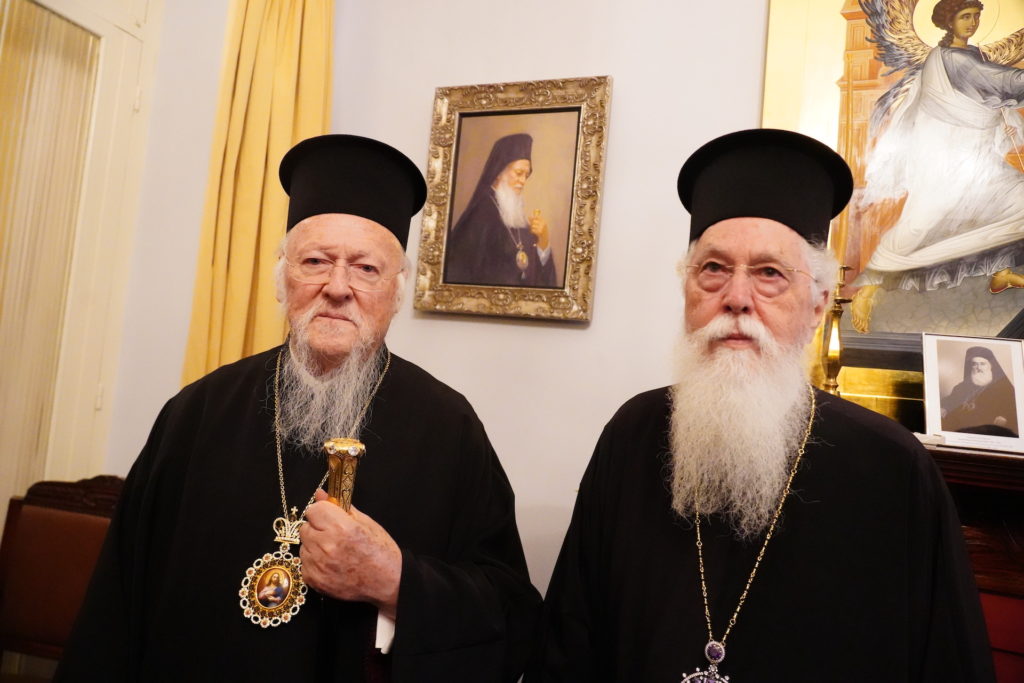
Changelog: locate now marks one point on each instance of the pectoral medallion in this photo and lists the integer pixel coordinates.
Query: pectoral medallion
(522, 260)
(715, 652)
(272, 589)
(710, 675)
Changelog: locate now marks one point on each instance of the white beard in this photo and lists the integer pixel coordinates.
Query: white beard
(510, 206)
(981, 378)
(738, 419)
(315, 408)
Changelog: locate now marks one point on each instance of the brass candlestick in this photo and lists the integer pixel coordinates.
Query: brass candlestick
(831, 341)
(342, 460)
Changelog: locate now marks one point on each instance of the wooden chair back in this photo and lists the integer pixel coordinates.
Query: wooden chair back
(51, 539)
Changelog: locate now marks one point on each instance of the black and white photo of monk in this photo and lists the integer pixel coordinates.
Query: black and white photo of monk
(984, 401)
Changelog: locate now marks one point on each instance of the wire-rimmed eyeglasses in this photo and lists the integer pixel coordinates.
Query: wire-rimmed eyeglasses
(317, 270)
(769, 279)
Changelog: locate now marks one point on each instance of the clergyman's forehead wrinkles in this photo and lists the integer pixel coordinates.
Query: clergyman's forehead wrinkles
(763, 253)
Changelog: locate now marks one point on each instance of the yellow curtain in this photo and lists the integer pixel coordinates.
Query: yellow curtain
(275, 91)
(47, 86)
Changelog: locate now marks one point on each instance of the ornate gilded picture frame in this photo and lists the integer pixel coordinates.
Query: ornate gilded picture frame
(514, 179)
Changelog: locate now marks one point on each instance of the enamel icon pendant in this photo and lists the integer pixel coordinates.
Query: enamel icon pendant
(272, 590)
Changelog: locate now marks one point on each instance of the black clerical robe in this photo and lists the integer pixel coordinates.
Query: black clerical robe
(481, 250)
(865, 579)
(969, 407)
(198, 508)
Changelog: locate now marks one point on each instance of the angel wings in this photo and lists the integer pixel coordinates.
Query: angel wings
(899, 47)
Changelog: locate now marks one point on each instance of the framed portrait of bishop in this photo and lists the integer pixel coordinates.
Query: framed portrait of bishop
(973, 391)
(514, 176)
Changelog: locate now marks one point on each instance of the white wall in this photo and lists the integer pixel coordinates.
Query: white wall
(159, 298)
(683, 73)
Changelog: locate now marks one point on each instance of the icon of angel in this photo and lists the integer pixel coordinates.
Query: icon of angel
(942, 137)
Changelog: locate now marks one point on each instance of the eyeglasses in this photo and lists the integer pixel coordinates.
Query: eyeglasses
(318, 270)
(769, 279)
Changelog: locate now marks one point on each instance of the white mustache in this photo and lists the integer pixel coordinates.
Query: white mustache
(308, 316)
(726, 324)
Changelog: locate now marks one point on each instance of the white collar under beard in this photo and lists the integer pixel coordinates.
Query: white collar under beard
(316, 408)
(737, 422)
(510, 206)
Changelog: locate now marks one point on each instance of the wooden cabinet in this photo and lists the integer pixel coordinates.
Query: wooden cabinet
(989, 492)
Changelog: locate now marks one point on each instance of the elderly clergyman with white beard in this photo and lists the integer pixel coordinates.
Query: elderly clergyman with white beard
(740, 523)
(227, 562)
(985, 401)
(494, 242)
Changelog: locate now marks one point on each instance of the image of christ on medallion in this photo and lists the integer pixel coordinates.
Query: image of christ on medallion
(511, 199)
(272, 588)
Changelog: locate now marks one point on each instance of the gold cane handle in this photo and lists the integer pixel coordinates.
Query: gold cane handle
(342, 460)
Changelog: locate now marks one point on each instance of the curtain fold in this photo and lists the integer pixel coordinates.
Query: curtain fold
(47, 84)
(275, 91)
(48, 68)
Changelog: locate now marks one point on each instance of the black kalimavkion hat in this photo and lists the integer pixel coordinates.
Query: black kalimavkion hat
(353, 175)
(765, 173)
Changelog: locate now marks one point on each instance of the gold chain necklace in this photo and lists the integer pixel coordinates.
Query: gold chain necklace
(715, 649)
(272, 589)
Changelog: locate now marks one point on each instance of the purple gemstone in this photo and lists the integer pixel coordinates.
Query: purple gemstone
(714, 651)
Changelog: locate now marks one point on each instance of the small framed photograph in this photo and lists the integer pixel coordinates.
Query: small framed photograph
(972, 389)
(514, 176)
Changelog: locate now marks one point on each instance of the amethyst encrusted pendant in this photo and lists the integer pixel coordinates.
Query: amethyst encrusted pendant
(715, 652)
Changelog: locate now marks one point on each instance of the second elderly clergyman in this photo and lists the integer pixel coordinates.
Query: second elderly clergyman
(200, 578)
(739, 523)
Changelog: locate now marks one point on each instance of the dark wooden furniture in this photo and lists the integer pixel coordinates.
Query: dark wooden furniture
(50, 543)
(988, 489)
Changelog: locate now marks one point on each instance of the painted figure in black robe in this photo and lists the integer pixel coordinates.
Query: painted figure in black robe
(433, 513)
(864, 575)
(984, 401)
(485, 248)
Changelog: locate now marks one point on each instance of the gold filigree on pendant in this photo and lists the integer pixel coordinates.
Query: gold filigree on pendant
(272, 590)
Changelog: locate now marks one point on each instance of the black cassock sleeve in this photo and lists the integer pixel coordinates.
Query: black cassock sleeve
(948, 633)
(106, 641)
